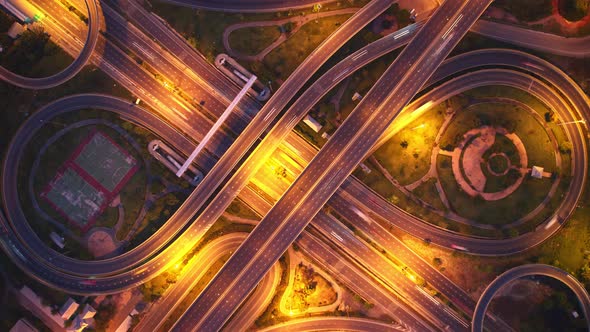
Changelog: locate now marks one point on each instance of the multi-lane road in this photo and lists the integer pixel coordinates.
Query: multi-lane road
(54, 80)
(440, 51)
(355, 188)
(214, 177)
(354, 138)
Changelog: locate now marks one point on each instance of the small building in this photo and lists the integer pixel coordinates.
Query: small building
(312, 123)
(27, 297)
(88, 312)
(16, 29)
(537, 172)
(23, 325)
(68, 309)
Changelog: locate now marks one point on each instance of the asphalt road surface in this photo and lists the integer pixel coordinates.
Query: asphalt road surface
(523, 271)
(73, 68)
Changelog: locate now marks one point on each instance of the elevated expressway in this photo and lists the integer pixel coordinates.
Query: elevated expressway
(484, 63)
(333, 324)
(524, 271)
(578, 47)
(321, 178)
(375, 49)
(70, 71)
(503, 58)
(247, 6)
(185, 213)
(129, 114)
(342, 237)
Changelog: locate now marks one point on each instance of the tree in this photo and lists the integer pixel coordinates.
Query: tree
(436, 261)
(549, 116)
(288, 27)
(403, 18)
(28, 49)
(565, 147)
(386, 24)
(585, 273)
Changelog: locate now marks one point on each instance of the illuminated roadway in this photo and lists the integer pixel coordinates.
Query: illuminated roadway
(70, 71)
(379, 235)
(352, 187)
(370, 53)
(443, 66)
(327, 171)
(578, 47)
(523, 271)
(333, 324)
(185, 213)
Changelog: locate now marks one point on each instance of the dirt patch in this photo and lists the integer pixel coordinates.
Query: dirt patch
(101, 243)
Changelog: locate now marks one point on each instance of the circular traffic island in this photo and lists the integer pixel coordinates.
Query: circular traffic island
(499, 165)
(533, 297)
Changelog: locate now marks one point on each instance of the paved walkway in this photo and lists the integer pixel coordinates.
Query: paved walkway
(467, 158)
(298, 21)
(432, 172)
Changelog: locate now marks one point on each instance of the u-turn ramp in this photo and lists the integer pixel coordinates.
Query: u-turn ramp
(70, 71)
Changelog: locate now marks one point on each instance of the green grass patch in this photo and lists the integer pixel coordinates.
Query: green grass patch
(527, 197)
(428, 193)
(196, 25)
(376, 181)
(538, 146)
(406, 156)
(283, 60)
(251, 41)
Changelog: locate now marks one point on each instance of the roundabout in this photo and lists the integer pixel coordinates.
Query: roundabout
(498, 163)
(477, 322)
